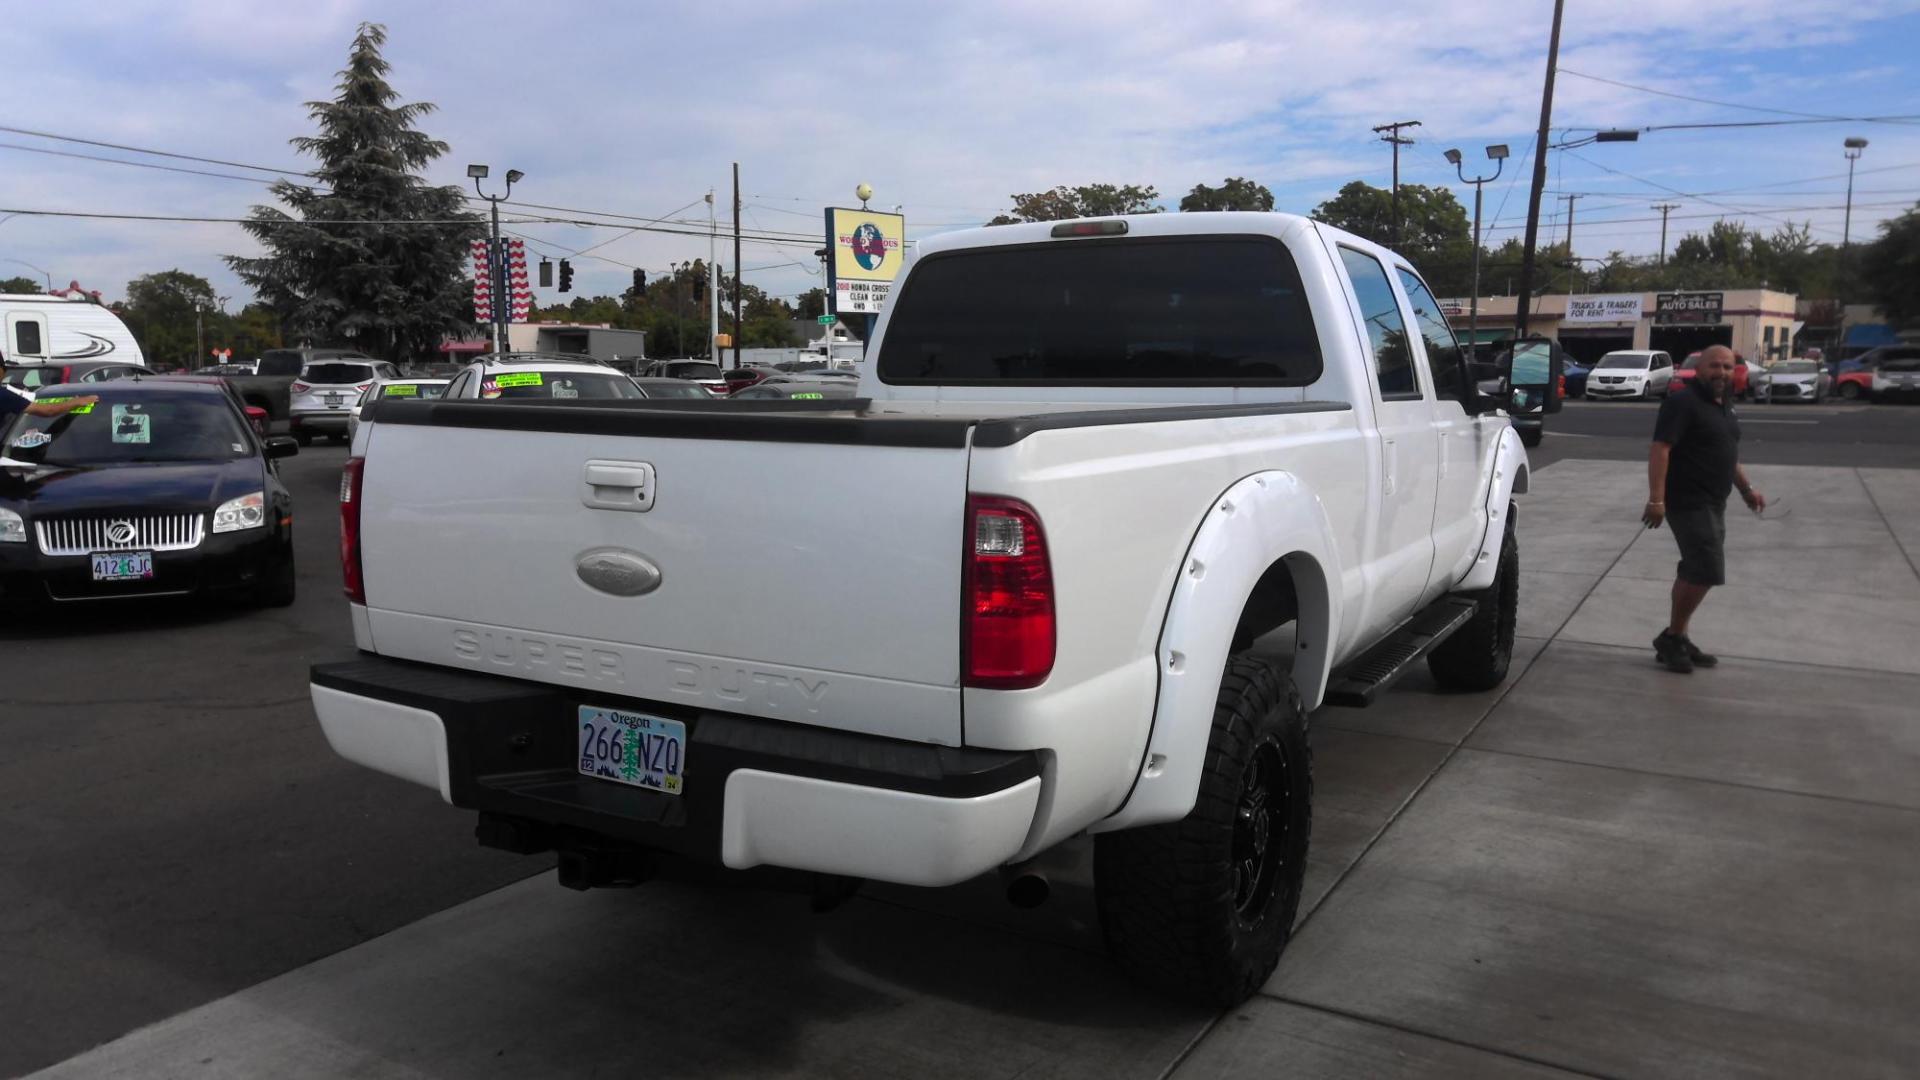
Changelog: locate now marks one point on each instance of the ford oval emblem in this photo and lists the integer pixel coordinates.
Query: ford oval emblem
(618, 572)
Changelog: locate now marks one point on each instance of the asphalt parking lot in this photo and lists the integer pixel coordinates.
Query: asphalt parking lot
(1597, 869)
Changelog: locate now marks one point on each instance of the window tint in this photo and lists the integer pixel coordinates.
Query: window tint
(26, 338)
(281, 362)
(1392, 354)
(1443, 350)
(128, 428)
(657, 389)
(567, 385)
(1191, 311)
(333, 372)
(690, 371)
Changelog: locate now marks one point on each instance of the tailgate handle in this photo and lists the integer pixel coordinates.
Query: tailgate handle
(619, 485)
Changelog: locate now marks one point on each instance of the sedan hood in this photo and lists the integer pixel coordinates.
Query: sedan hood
(198, 485)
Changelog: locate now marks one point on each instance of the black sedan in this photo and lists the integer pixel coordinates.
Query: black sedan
(160, 488)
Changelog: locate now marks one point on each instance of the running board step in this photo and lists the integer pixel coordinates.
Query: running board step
(1358, 682)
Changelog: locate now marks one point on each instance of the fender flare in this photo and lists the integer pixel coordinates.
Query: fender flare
(1261, 520)
(1511, 476)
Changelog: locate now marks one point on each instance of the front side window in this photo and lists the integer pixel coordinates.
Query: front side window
(1386, 330)
(1443, 349)
(1186, 311)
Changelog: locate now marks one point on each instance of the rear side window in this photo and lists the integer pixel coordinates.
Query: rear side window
(690, 371)
(333, 372)
(1136, 312)
(281, 362)
(1443, 350)
(1386, 330)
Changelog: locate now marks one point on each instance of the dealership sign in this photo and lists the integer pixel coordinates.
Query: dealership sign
(1688, 308)
(867, 250)
(1619, 307)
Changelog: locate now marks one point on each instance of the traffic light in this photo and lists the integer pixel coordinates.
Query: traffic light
(640, 283)
(546, 273)
(566, 276)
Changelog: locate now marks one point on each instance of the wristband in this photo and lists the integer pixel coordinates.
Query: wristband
(1651, 502)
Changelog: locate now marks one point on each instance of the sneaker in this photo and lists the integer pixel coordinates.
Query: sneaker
(1700, 659)
(1671, 652)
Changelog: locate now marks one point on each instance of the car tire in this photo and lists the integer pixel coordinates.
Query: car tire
(1479, 654)
(304, 438)
(1850, 391)
(1201, 908)
(1530, 436)
(279, 587)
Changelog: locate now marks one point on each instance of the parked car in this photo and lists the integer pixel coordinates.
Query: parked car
(270, 387)
(1794, 380)
(707, 374)
(160, 488)
(29, 376)
(1058, 588)
(740, 378)
(672, 389)
(1630, 373)
(1896, 379)
(40, 329)
(784, 389)
(1573, 376)
(512, 376)
(403, 389)
(1854, 379)
(1743, 374)
(322, 398)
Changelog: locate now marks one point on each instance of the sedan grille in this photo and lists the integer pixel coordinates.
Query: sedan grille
(143, 532)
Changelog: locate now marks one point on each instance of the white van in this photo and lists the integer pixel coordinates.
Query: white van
(53, 329)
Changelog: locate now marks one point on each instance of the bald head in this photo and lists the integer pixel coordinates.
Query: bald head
(1714, 369)
(1717, 352)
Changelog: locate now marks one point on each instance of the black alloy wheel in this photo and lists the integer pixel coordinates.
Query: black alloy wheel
(1259, 833)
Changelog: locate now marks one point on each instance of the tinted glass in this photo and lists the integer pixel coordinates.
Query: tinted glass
(26, 338)
(690, 371)
(668, 390)
(1386, 330)
(329, 373)
(1204, 310)
(33, 378)
(557, 385)
(128, 429)
(281, 362)
(1623, 360)
(1443, 349)
(406, 391)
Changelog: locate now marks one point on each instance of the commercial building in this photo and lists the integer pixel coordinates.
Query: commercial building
(599, 341)
(1757, 323)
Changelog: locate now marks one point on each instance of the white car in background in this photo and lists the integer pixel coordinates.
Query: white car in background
(520, 376)
(1631, 373)
(1793, 380)
(321, 399)
(394, 390)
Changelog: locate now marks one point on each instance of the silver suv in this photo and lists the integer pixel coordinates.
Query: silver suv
(321, 399)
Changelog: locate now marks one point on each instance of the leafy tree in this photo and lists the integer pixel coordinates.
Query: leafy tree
(1890, 267)
(1235, 193)
(1435, 233)
(812, 305)
(1088, 200)
(19, 285)
(159, 310)
(396, 285)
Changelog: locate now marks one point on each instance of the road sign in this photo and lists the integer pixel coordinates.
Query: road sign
(824, 320)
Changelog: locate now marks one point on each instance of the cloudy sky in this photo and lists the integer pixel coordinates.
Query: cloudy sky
(947, 108)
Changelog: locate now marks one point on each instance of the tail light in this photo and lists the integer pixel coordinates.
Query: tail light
(362, 388)
(299, 387)
(1009, 633)
(66, 373)
(1562, 388)
(350, 489)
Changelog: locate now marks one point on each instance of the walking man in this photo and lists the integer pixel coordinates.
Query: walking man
(1693, 465)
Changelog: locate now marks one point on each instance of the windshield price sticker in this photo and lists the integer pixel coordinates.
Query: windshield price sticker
(131, 426)
(400, 390)
(81, 411)
(519, 378)
(808, 397)
(32, 439)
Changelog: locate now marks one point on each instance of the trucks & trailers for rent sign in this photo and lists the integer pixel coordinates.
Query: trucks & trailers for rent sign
(1615, 308)
(868, 248)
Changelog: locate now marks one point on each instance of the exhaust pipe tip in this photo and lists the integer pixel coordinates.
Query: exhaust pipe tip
(1028, 890)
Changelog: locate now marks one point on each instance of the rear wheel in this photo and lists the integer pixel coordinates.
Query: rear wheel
(1201, 908)
(1850, 391)
(304, 438)
(1479, 654)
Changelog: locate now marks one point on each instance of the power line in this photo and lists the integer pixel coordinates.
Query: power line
(1729, 214)
(135, 164)
(1724, 104)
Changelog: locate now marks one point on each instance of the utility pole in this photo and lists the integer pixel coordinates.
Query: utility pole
(1539, 177)
(1393, 137)
(1571, 263)
(713, 285)
(736, 264)
(199, 338)
(1665, 208)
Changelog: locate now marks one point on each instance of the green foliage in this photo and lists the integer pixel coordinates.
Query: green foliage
(1088, 200)
(1235, 193)
(812, 305)
(160, 310)
(19, 285)
(1890, 267)
(674, 313)
(1435, 232)
(396, 285)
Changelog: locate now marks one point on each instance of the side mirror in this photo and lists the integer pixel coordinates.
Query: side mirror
(280, 446)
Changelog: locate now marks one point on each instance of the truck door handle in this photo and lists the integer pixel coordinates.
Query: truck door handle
(619, 485)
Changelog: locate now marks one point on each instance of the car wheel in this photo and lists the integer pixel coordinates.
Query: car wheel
(304, 438)
(1478, 654)
(278, 587)
(1850, 391)
(1201, 908)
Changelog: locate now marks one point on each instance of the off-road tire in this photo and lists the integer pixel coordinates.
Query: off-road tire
(1198, 908)
(1478, 654)
(279, 586)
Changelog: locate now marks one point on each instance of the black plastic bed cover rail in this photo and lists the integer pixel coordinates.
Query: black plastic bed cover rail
(841, 420)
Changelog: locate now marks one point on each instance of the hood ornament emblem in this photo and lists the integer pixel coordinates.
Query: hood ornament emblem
(121, 532)
(617, 572)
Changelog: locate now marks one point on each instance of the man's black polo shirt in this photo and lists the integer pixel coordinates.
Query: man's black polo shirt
(1705, 437)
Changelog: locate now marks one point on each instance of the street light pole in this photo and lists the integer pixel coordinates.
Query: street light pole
(1498, 154)
(496, 258)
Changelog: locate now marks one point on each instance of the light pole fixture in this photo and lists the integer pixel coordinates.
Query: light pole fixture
(1497, 153)
(496, 258)
(1852, 147)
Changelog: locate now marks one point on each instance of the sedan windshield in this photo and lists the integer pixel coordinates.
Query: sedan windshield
(132, 430)
(1624, 360)
(560, 385)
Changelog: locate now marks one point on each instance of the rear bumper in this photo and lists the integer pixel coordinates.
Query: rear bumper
(324, 420)
(757, 792)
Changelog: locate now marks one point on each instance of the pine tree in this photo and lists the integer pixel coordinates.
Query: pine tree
(393, 290)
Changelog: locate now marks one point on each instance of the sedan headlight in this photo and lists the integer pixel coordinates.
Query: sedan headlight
(13, 528)
(245, 512)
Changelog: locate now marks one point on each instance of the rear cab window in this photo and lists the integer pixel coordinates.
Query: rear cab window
(1145, 311)
(336, 372)
(557, 385)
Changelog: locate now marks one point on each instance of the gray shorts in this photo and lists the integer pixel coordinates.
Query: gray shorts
(1701, 532)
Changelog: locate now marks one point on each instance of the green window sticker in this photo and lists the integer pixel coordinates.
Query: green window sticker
(81, 411)
(400, 390)
(519, 378)
(806, 397)
(130, 425)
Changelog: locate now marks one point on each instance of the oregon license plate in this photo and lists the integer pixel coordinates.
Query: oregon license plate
(632, 748)
(122, 565)
(334, 401)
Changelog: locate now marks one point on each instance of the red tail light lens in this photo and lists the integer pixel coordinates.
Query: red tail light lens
(299, 387)
(350, 479)
(1009, 636)
(66, 373)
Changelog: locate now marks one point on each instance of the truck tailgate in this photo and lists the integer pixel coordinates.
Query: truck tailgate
(816, 581)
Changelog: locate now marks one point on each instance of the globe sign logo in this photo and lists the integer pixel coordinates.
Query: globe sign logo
(869, 246)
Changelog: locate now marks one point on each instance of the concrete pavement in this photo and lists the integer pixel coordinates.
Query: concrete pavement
(1601, 868)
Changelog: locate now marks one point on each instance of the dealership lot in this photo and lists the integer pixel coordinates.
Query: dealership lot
(1600, 868)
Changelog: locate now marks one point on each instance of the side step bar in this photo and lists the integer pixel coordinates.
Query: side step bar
(1360, 680)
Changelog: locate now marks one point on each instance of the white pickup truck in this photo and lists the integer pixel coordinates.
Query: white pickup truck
(1024, 587)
